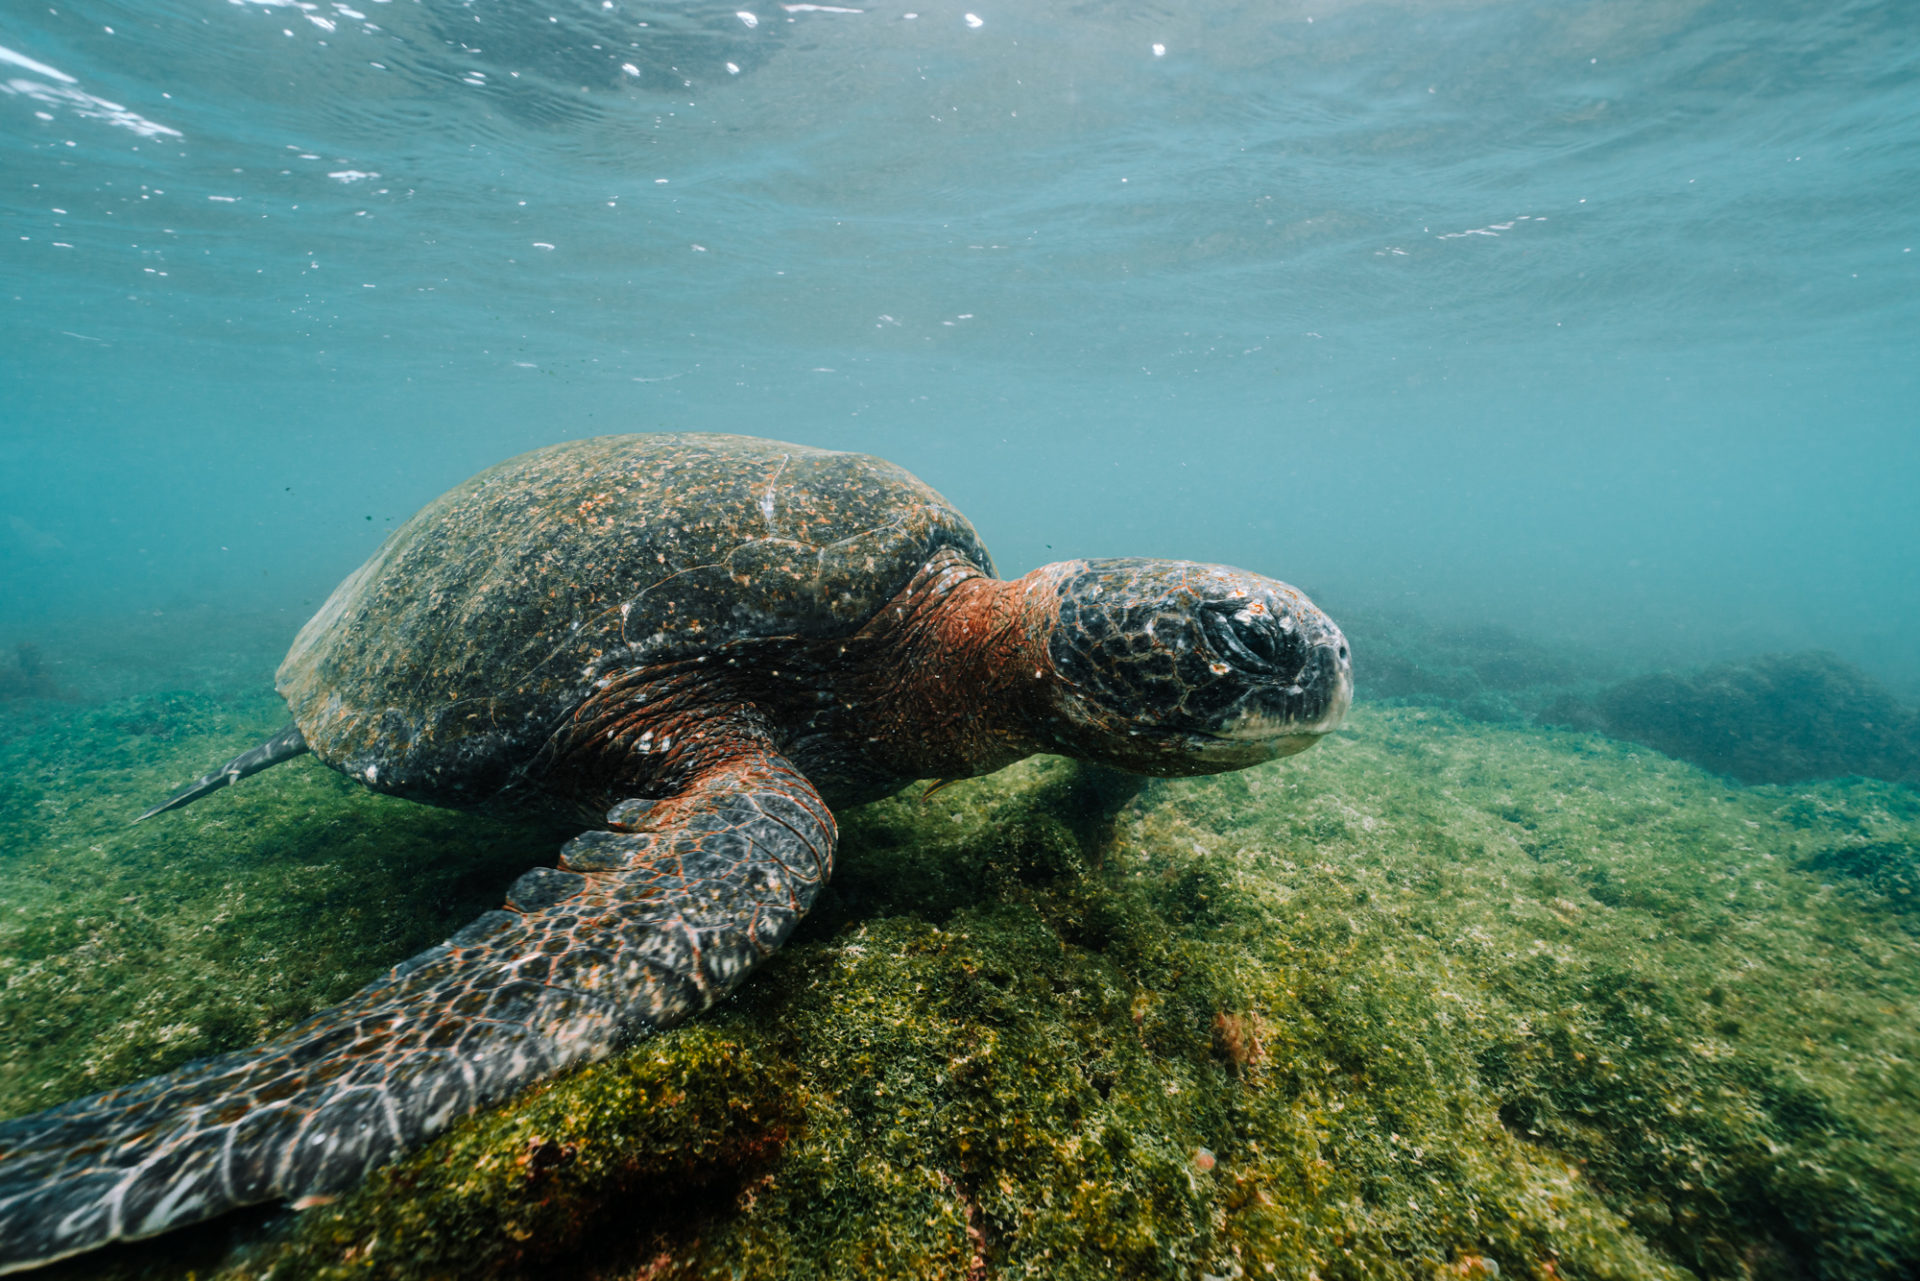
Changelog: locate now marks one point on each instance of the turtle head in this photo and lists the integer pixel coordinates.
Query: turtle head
(1171, 667)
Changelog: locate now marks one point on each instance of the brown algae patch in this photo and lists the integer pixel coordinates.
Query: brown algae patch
(1436, 999)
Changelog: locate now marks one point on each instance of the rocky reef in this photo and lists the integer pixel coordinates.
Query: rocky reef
(1441, 998)
(1778, 718)
(24, 673)
(1775, 718)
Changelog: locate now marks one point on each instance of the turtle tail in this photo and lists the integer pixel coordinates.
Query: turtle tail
(284, 746)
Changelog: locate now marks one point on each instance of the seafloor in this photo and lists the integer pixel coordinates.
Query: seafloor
(1451, 995)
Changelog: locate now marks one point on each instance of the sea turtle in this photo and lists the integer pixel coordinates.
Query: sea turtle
(700, 646)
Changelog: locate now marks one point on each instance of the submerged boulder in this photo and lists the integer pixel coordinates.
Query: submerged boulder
(1887, 871)
(24, 673)
(1775, 718)
(1778, 718)
(1483, 671)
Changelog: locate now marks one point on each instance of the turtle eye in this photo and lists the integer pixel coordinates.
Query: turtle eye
(1254, 644)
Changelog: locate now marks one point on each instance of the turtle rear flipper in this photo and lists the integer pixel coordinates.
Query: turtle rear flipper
(284, 746)
(636, 930)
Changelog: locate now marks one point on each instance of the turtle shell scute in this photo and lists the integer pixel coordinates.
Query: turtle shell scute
(440, 667)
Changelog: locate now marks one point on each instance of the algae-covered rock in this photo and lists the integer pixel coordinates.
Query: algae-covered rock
(1483, 671)
(127, 951)
(1437, 999)
(1889, 871)
(575, 1163)
(1779, 718)
(1775, 718)
(24, 673)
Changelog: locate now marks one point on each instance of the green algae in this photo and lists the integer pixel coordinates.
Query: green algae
(127, 950)
(1888, 872)
(673, 1125)
(1777, 718)
(1438, 998)
(1771, 718)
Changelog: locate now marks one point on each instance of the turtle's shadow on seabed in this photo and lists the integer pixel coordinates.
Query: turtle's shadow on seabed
(930, 853)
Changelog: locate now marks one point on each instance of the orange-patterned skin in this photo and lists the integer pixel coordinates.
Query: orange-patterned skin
(699, 645)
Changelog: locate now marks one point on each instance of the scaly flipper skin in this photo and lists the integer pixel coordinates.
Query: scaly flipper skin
(638, 929)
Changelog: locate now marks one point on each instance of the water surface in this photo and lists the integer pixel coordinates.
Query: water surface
(1595, 320)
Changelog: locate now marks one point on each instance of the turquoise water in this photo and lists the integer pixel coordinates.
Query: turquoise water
(1597, 321)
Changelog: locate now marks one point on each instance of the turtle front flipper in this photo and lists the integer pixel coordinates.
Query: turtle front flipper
(636, 930)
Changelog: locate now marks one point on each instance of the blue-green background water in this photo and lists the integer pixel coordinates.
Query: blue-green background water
(1595, 320)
